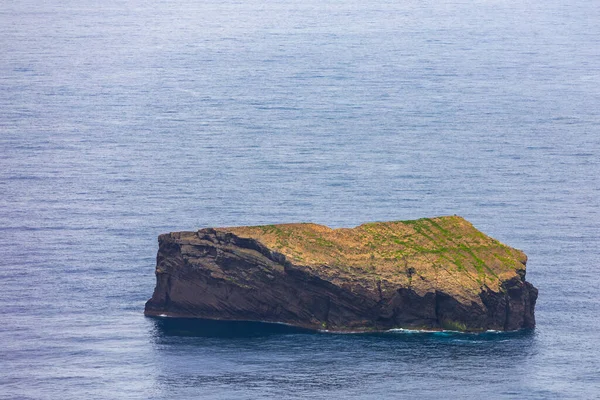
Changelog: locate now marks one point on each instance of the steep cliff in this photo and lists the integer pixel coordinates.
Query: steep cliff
(438, 273)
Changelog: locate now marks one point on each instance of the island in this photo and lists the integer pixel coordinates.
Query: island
(427, 274)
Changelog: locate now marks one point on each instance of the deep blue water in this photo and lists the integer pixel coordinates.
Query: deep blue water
(123, 120)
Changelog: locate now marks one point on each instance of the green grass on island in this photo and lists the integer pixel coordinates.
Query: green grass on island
(445, 253)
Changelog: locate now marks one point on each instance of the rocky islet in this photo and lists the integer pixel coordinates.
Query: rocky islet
(431, 273)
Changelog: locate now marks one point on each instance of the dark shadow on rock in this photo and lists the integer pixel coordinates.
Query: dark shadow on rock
(196, 327)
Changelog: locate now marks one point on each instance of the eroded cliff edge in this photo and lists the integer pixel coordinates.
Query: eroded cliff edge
(432, 273)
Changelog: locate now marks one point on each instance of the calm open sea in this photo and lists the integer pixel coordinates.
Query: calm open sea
(121, 120)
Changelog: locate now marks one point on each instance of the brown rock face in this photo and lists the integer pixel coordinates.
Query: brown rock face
(438, 273)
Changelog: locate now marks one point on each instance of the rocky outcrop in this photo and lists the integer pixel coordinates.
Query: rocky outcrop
(438, 273)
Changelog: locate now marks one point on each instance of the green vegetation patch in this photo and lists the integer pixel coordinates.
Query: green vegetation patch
(434, 248)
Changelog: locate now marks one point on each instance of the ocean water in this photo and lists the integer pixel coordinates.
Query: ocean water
(120, 121)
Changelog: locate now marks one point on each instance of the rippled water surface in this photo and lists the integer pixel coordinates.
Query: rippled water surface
(123, 120)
